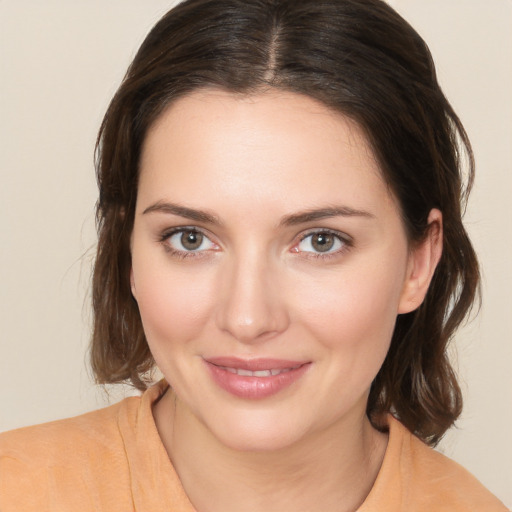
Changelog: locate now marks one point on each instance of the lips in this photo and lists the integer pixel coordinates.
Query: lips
(255, 378)
(257, 373)
(254, 365)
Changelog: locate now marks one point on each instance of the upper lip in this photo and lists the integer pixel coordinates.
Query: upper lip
(254, 365)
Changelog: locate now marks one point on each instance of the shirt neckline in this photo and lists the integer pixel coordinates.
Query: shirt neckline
(155, 483)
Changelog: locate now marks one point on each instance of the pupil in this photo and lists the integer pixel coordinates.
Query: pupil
(191, 240)
(323, 242)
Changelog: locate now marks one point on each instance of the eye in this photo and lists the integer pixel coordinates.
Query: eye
(321, 242)
(187, 240)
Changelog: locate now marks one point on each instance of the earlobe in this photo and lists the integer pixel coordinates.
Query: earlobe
(423, 261)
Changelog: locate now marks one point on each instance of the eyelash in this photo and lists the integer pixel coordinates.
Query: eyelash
(346, 241)
(166, 235)
(346, 244)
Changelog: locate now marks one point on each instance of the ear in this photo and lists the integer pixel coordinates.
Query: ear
(132, 284)
(132, 279)
(423, 260)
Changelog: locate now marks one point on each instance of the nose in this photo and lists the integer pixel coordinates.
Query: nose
(252, 306)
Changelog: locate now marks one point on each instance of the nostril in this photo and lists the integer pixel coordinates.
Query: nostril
(250, 322)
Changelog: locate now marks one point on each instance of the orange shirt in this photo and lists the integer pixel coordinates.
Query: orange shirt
(112, 460)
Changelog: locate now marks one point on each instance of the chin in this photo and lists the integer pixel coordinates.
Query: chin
(250, 440)
(256, 432)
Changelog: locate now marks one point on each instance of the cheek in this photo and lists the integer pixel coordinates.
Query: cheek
(353, 315)
(173, 309)
(355, 302)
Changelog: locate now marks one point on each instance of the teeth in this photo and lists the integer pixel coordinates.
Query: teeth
(263, 373)
(245, 373)
(258, 373)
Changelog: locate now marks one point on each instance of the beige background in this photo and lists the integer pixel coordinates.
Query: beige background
(61, 62)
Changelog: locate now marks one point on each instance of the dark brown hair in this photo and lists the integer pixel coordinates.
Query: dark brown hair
(358, 57)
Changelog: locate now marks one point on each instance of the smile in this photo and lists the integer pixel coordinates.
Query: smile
(258, 373)
(257, 378)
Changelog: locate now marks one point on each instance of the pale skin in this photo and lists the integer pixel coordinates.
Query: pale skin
(261, 178)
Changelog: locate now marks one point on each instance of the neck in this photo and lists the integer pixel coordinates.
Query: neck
(329, 470)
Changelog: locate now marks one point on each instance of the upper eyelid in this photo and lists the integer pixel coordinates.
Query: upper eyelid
(344, 237)
(301, 235)
(340, 234)
(166, 233)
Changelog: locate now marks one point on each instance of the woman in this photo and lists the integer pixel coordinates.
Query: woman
(280, 232)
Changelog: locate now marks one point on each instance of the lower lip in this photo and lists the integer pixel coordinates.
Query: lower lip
(255, 388)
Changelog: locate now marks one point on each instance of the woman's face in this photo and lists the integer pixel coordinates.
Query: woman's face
(269, 264)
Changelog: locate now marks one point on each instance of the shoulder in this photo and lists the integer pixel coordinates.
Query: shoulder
(72, 454)
(60, 441)
(437, 482)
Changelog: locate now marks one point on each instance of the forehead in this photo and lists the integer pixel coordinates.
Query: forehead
(258, 147)
(257, 118)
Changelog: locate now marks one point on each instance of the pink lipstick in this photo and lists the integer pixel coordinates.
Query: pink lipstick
(255, 378)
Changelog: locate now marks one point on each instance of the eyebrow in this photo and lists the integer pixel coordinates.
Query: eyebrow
(323, 213)
(183, 211)
(289, 220)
